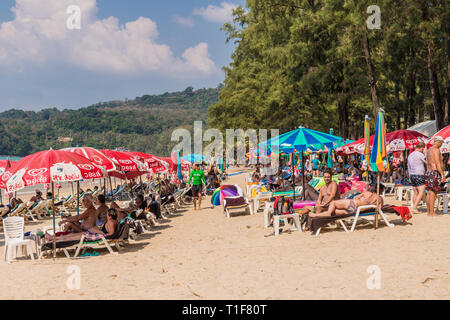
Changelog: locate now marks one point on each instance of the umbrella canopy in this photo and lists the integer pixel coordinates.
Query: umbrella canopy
(427, 128)
(378, 157)
(444, 134)
(193, 157)
(132, 167)
(399, 140)
(4, 165)
(49, 166)
(112, 167)
(301, 139)
(154, 163)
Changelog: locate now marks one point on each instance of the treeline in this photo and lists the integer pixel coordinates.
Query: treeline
(143, 124)
(316, 63)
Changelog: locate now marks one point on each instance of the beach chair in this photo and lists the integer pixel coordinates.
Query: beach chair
(39, 207)
(14, 238)
(18, 210)
(365, 212)
(236, 203)
(101, 242)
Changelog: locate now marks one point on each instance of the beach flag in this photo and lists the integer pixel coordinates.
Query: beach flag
(378, 159)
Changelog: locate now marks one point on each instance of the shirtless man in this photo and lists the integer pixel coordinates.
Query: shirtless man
(435, 174)
(86, 220)
(102, 208)
(328, 193)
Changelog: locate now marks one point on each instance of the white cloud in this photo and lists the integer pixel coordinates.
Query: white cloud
(185, 22)
(221, 14)
(38, 36)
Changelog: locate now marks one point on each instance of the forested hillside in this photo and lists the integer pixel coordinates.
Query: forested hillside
(143, 124)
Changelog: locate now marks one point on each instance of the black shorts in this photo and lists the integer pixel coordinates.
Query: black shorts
(417, 180)
(196, 190)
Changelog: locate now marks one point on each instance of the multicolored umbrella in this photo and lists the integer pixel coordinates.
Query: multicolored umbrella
(378, 157)
(444, 134)
(301, 139)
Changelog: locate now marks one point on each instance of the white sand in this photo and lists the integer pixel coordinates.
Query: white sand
(204, 255)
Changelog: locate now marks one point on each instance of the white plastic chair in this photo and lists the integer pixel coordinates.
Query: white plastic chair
(14, 232)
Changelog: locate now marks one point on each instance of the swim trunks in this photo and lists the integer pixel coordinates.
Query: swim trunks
(417, 180)
(351, 207)
(433, 180)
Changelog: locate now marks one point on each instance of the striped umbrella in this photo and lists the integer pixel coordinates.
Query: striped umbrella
(378, 158)
(301, 139)
(366, 144)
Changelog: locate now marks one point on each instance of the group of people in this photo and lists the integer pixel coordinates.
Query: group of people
(426, 172)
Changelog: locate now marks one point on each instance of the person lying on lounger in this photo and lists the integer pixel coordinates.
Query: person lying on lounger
(350, 206)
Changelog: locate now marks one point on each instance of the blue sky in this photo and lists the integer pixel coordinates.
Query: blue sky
(167, 46)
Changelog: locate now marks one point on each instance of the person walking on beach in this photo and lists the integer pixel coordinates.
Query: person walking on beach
(416, 169)
(435, 174)
(196, 180)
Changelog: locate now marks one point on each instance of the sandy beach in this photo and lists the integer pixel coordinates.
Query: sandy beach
(204, 255)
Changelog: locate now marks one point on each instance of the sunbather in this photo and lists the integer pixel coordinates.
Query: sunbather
(350, 206)
(107, 229)
(85, 221)
(328, 193)
(102, 208)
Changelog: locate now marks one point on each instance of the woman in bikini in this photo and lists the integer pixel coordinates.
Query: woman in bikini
(349, 206)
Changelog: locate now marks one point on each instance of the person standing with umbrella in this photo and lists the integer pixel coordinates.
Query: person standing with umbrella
(416, 169)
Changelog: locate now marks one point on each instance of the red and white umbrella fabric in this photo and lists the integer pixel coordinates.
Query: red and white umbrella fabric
(444, 134)
(399, 140)
(154, 163)
(4, 165)
(112, 167)
(402, 140)
(49, 166)
(130, 165)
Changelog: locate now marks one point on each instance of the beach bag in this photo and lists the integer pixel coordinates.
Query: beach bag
(283, 205)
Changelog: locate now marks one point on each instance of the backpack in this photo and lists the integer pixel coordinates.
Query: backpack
(283, 205)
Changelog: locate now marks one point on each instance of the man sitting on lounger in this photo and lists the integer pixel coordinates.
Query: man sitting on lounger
(86, 220)
(350, 206)
(328, 193)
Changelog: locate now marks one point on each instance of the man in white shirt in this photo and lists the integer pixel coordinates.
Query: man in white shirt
(416, 169)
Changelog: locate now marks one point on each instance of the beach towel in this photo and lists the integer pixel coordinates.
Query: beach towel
(235, 202)
(301, 204)
(402, 211)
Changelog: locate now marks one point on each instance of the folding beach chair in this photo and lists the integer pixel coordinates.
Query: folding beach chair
(239, 203)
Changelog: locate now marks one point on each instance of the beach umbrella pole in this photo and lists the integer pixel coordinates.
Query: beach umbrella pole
(303, 178)
(378, 200)
(78, 198)
(54, 221)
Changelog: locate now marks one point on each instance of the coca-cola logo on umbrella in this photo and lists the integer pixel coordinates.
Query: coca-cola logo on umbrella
(446, 146)
(36, 172)
(126, 161)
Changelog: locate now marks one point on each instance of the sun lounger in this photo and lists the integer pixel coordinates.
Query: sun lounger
(366, 212)
(232, 203)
